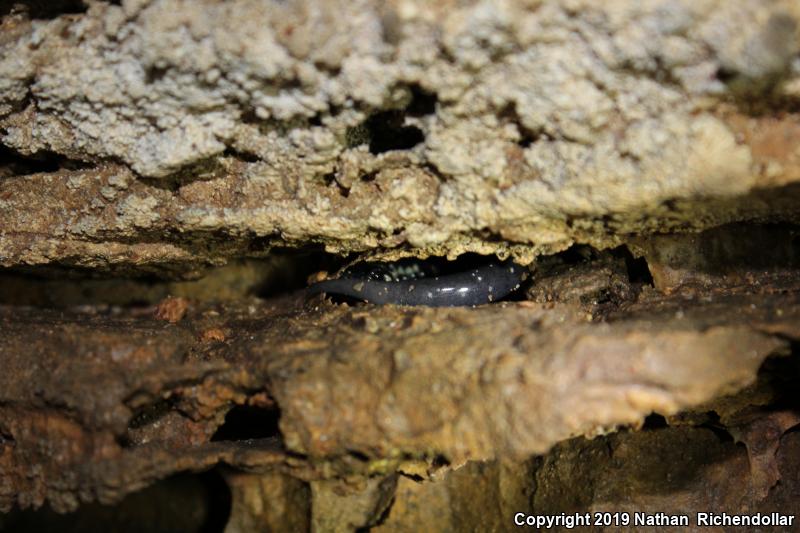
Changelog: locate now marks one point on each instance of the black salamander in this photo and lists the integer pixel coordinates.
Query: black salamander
(415, 282)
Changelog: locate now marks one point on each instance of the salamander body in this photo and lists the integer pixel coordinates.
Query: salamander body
(412, 282)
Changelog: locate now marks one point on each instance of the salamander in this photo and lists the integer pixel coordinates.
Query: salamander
(415, 282)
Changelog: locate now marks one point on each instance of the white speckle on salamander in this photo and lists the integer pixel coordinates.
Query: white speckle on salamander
(358, 287)
(410, 288)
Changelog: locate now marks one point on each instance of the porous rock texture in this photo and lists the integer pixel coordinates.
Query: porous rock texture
(398, 127)
(170, 173)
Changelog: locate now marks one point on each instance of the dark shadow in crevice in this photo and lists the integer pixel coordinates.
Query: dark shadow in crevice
(779, 375)
(369, 176)
(247, 157)
(42, 9)
(184, 502)
(791, 430)
(654, 421)
(576, 254)
(298, 267)
(246, 422)
(413, 477)
(207, 169)
(637, 267)
(385, 492)
(422, 102)
(526, 135)
(276, 272)
(382, 518)
(358, 455)
(13, 163)
(154, 74)
(385, 131)
(6, 438)
(330, 180)
(388, 132)
(220, 502)
(714, 424)
(440, 461)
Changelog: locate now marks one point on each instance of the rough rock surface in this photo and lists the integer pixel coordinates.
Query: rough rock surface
(642, 157)
(401, 127)
(97, 405)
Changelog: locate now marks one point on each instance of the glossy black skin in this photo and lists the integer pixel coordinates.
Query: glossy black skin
(480, 285)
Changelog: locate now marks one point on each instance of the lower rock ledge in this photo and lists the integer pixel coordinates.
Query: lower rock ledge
(319, 391)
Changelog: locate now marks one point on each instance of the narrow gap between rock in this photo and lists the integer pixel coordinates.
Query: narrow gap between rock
(637, 267)
(602, 279)
(282, 272)
(13, 163)
(247, 157)
(382, 517)
(206, 169)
